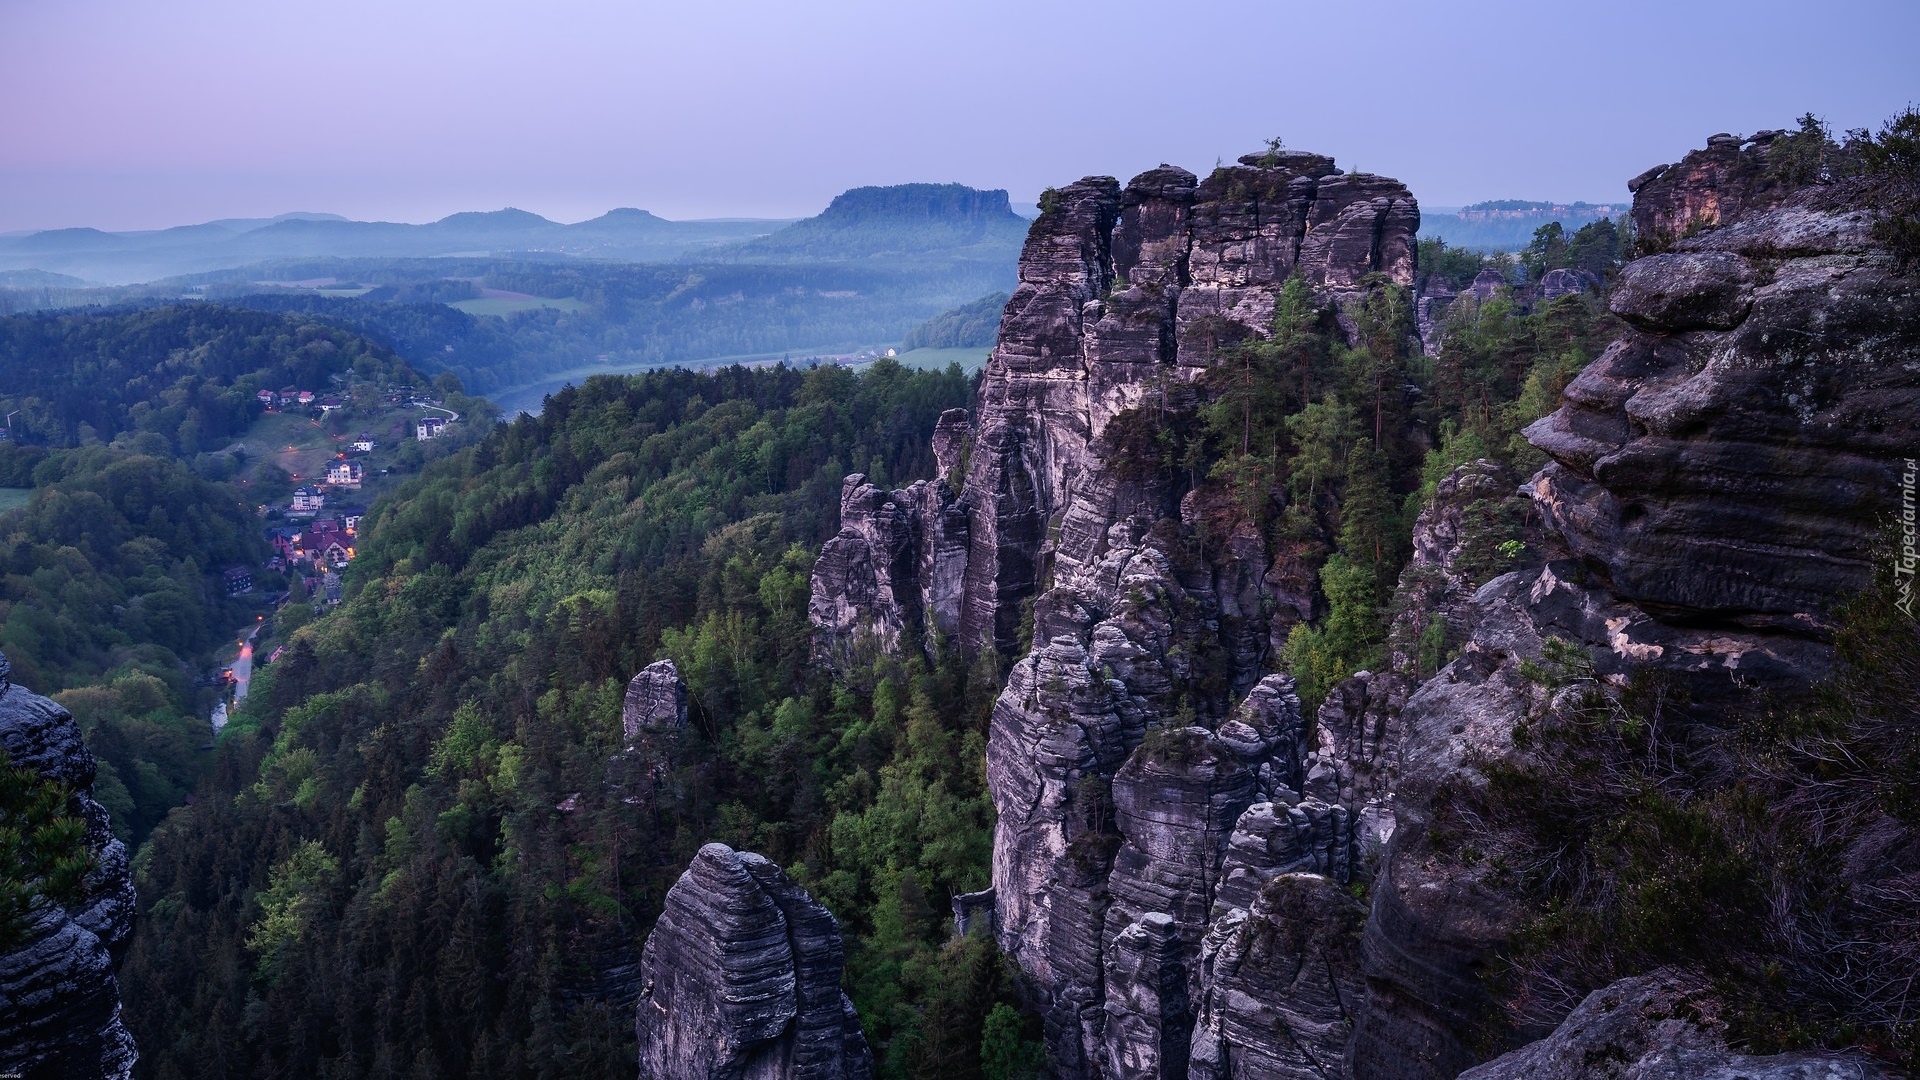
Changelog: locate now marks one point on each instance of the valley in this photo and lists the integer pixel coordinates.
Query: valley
(1229, 626)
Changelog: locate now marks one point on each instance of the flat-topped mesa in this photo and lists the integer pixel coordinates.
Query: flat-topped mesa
(59, 1001)
(741, 978)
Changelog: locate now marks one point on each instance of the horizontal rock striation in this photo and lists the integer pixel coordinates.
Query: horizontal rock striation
(1733, 457)
(1731, 178)
(1719, 481)
(740, 978)
(59, 1002)
(1116, 825)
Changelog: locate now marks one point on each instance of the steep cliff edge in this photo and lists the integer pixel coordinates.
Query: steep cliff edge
(1113, 847)
(1720, 479)
(59, 1003)
(1179, 852)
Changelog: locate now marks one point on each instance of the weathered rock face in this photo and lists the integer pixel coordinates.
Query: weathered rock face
(59, 1003)
(1732, 458)
(897, 564)
(656, 702)
(1281, 980)
(1657, 1027)
(1124, 296)
(1717, 481)
(1566, 282)
(1731, 178)
(1173, 843)
(1110, 844)
(741, 979)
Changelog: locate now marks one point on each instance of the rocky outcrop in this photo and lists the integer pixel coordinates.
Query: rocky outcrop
(1566, 281)
(1174, 845)
(1112, 840)
(896, 566)
(1659, 1027)
(656, 702)
(1730, 179)
(1125, 295)
(1732, 457)
(741, 979)
(1716, 485)
(59, 1002)
(1281, 980)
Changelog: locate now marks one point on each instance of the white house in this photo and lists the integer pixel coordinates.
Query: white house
(347, 474)
(429, 427)
(306, 500)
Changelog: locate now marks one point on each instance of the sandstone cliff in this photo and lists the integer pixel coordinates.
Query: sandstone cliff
(1177, 851)
(59, 1003)
(1719, 479)
(740, 978)
(1116, 852)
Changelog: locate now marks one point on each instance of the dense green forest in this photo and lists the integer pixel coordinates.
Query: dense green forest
(422, 844)
(110, 595)
(185, 374)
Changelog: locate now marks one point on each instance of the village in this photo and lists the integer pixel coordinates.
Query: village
(311, 531)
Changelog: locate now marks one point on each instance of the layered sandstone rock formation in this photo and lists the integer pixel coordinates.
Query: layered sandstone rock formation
(1124, 297)
(59, 1003)
(1176, 848)
(1719, 479)
(1729, 179)
(655, 702)
(740, 978)
(1117, 851)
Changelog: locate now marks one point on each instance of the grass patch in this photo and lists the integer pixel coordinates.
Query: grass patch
(13, 497)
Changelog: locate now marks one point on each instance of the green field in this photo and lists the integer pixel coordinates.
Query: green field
(495, 306)
(12, 497)
(301, 447)
(970, 360)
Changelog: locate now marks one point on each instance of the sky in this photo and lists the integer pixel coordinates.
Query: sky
(132, 114)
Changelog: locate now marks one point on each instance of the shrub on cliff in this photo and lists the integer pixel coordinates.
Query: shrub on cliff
(1772, 851)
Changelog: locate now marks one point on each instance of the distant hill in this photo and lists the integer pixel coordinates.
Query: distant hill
(902, 221)
(1508, 224)
(970, 325)
(123, 258)
(39, 279)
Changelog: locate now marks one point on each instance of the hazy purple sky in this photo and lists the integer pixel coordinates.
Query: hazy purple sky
(122, 114)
